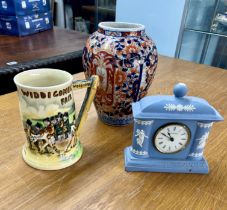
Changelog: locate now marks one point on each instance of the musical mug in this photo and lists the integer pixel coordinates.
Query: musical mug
(48, 114)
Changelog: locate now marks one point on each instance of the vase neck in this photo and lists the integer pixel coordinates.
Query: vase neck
(121, 29)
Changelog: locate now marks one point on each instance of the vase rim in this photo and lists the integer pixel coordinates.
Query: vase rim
(121, 26)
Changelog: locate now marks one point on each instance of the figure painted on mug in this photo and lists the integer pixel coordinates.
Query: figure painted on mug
(51, 133)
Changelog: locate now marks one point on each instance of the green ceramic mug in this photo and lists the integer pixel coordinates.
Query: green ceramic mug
(48, 114)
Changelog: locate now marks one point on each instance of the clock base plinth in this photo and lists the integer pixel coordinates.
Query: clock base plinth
(164, 165)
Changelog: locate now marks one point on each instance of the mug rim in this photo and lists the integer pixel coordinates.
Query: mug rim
(27, 72)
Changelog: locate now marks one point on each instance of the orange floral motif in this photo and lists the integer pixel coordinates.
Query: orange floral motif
(119, 52)
(120, 77)
(144, 93)
(131, 49)
(133, 70)
(143, 44)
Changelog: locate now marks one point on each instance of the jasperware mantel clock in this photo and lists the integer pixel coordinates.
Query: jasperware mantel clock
(170, 133)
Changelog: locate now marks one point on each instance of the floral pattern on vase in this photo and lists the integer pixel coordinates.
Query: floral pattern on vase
(125, 62)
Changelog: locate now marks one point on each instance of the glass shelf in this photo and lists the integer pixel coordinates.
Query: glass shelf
(204, 32)
(200, 14)
(203, 38)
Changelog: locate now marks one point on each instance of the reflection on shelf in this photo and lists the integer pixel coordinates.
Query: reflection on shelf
(221, 18)
(200, 14)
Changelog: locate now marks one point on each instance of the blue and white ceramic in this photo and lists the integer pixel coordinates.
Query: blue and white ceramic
(125, 59)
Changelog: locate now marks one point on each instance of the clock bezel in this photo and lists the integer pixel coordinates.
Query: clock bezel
(168, 124)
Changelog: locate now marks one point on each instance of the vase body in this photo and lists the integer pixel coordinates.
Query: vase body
(125, 59)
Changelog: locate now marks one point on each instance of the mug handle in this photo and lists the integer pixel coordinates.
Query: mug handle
(91, 84)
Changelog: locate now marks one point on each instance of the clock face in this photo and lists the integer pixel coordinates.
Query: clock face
(172, 138)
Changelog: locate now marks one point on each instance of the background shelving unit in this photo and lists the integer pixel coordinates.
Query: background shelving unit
(203, 35)
(97, 11)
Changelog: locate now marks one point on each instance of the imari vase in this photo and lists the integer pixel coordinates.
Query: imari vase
(125, 59)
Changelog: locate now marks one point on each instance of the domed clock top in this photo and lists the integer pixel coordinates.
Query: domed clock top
(178, 106)
(170, 133)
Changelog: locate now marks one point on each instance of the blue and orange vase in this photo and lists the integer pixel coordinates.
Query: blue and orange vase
(125, 59)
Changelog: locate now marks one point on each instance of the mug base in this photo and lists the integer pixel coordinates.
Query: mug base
(52, 161)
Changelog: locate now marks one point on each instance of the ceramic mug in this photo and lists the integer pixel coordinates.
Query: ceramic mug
(48, 114)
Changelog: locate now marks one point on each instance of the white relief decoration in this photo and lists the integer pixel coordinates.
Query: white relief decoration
(196, 154)
(141, 136)
(137, 152)
(204, 125)
(202, 141)
(179, 107)
(142, 122)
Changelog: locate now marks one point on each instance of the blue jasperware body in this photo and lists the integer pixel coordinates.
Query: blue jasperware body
(153, 112)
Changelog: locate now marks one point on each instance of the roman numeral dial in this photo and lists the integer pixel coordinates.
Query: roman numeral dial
(172, 138)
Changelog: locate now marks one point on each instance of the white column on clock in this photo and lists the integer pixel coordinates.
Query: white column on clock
(141, 137)
(201, 135)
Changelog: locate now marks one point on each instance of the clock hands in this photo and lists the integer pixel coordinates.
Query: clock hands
(165, 135)
(169, 136)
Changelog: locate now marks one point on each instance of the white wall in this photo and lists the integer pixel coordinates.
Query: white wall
(162, 19)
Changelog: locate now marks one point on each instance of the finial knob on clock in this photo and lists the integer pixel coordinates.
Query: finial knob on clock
(180, 90)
